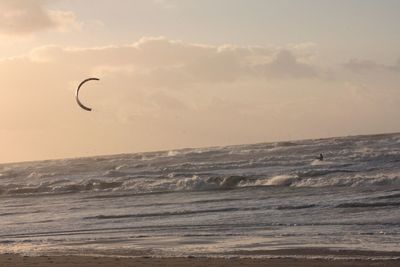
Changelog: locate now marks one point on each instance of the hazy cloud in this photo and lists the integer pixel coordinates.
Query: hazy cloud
(21, 17)
(152, 77)
(359, 65)
(172, 62)
(286, 65)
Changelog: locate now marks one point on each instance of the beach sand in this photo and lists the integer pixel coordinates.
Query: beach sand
(12, 260)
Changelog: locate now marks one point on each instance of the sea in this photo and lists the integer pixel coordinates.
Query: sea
(215, 201)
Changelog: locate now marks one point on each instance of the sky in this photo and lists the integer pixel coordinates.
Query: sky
(189, 73)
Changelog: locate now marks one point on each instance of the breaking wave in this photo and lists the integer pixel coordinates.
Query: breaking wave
(351, 162)
(177, 183)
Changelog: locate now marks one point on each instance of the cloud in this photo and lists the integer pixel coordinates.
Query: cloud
(176, 63)
(360, 65)
(152, 77)
(24, 17)
(286, 65)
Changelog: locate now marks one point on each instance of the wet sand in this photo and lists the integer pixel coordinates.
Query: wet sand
(11, 260)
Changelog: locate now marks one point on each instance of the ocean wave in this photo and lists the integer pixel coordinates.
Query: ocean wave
(323, 172)
(369, 161)
(349, 179)
(19, 213)
(296, 207)
(397, 195)
(178, 182)
(57, 187)
(278, 180)
(286, 144)
(160, 214)
(368, 205)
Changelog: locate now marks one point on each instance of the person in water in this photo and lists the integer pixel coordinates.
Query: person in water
(321, 157)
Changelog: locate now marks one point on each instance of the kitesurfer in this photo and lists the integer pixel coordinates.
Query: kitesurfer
(77, 93)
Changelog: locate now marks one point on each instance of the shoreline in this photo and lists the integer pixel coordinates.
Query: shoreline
(302, 257)
(13, 260)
